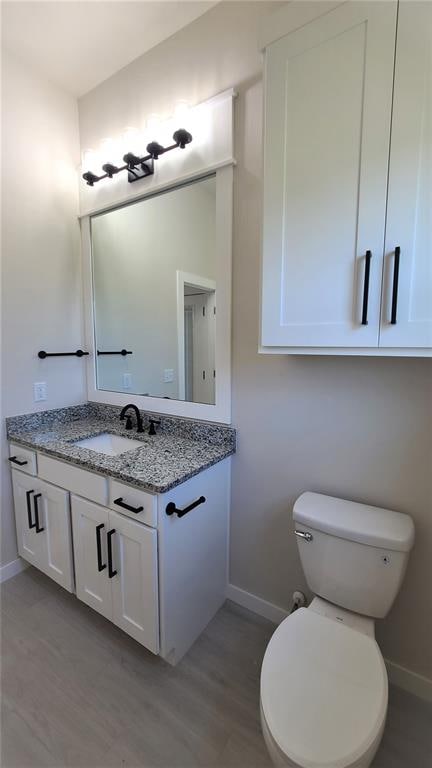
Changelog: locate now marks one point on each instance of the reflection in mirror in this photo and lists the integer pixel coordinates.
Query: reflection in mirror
(154, 283)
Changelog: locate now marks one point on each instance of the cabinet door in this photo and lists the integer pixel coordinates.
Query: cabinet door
(54, 517)
(135, 584)
(327, 130)
(409, 222)
(31, 542)
(90, 524)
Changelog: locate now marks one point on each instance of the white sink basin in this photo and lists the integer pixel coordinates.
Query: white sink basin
(110, 445)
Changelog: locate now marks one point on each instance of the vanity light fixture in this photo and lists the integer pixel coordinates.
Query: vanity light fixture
(140, 167)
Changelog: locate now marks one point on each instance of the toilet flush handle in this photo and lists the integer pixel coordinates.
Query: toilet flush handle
(304, 535)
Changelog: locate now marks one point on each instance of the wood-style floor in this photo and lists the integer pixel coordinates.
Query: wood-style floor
(76, 691)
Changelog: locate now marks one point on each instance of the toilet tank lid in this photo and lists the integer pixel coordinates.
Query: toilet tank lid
(356, 522)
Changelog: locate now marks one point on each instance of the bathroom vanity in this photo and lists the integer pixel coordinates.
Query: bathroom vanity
(131, 514)
(138, 533)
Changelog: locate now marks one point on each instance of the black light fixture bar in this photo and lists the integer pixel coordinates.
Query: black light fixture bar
(140, 167)
(123, 352)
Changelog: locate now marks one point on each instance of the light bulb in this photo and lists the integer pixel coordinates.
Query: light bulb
(110, 151)
(132, 141)
(153, 127)
(181, 114)
(90, 161)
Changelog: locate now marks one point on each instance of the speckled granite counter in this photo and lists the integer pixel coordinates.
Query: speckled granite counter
(180, 449)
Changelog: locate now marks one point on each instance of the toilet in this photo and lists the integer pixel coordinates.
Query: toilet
(324, 683)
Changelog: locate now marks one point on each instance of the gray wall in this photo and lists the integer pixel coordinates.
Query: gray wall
(354, 427)
(41, 279)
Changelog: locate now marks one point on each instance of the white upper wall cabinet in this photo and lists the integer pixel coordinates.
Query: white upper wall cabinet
(328, 118)
(409, 212)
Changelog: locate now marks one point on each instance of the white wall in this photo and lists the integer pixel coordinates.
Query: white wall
(354, 427)
(137, 251)
(41, 291)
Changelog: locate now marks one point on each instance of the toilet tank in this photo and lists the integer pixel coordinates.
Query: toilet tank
(353, 555)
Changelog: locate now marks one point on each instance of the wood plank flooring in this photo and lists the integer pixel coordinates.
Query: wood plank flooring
(77, 692)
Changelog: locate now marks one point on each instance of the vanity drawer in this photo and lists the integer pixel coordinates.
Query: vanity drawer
(24, 459)
(133, 497)
(73, 478)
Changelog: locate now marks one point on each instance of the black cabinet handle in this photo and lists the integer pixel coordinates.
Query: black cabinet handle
(368, 256)
(171, 508)
(15, 460)
(101, 565)
(36, 512)
(395, 285)
(111, 572)
(121, 503)
(30, 524)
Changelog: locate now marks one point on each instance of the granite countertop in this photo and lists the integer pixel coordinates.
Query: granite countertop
(180, 449)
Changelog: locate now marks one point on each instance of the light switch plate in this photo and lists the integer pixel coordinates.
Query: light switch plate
(168, 375)
(39, 391)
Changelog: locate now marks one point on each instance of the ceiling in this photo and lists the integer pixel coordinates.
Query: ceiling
(79, 43)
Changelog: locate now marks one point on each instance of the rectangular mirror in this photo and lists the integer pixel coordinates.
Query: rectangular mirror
(154, 295)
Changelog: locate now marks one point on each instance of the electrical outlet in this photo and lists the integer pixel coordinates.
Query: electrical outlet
(39, 391)
(168, 376)
(127, 381)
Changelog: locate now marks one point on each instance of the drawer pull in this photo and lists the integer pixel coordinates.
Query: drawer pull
(36, 511)
(111, 572)
(101, 565)
(15, 460)
(123, 505)
(30, 524)
(395, 285)
(368, 257)
(171, 508)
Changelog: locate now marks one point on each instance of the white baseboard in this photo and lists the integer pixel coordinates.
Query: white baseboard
(11, 569)
(256, 604)
(410, 681)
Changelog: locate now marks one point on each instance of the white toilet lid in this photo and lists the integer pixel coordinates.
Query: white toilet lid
(323, 690)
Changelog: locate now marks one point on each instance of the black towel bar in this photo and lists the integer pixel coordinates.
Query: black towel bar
(171, 508)
(79, 353)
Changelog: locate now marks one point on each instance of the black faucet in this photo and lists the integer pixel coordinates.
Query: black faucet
(139, 420)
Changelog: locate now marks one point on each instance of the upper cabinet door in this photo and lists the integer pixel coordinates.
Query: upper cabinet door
(407, 286)
(328, 110)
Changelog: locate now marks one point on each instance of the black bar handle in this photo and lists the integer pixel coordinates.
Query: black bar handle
(36, 512)
(121, 503)
(30, 524)
(111, 572)
(368, 256)
(171, 508)
(15, 460)
(101, 565)
(395, 285)
(79, 353)
(123, 352)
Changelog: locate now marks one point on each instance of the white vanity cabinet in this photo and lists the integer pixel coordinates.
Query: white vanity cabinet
(155, 570)
(43, 527)
(347, 245)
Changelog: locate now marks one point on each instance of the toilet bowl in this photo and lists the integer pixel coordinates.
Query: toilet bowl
(324, 685)
(323, 693)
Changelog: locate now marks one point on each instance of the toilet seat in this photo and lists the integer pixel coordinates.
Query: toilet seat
(323, 692)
